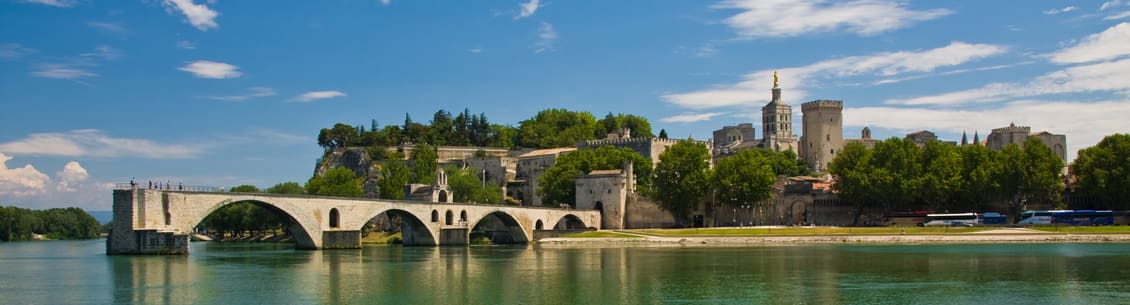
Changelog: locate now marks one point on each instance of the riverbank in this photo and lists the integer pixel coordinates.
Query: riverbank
(1003, 235)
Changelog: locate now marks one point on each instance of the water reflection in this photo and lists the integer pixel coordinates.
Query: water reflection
(70, 273)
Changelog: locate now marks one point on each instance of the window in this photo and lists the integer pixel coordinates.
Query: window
(449, 219)
(335, 218)
(463, 216)
(435, 216)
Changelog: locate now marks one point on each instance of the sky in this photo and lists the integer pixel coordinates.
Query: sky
(224, 93)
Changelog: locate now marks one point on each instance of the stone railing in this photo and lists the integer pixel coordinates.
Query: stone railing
(178, 187)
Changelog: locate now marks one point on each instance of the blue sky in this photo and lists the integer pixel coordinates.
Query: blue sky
(228, 92)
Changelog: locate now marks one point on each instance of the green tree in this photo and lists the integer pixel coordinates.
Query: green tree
(467, 186)
(425, 161)
(1030, 174)
(857, 182)
(663, 134)
(784, 163)
(980, 169)
(245, 188)
(898, 163)
(744, 178)
(556, 128)
(1103, 171)
(337, 181)
(558, 183)
(681, 178)
(942, 169)
(288, 188)
(394, 175)
(639, 126)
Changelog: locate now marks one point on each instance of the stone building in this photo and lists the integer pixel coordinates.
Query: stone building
(776, 129)
(921, 137)
(613, 192)
(777, 122)
(823, 133)
(1001, 137)
(648, 147)
(530, 166)
(864, 138)
(437, 192)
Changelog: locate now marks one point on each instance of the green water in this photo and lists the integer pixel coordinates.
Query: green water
(77, 272)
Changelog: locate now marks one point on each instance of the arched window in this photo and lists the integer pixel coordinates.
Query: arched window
(539, 225)
(463, 216)
(435, 216)
(335, 218)
(448, 220)
(442, 196)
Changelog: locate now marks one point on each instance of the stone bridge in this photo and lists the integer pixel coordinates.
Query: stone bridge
(149, 221)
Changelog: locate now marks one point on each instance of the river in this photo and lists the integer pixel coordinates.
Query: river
(78, 272)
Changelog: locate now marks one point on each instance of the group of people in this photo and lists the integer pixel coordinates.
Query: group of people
(168, 185)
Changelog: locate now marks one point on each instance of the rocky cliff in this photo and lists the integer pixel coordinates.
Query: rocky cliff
(356, 159)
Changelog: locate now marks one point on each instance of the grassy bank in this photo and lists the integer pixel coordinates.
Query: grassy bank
(598, 234)
(1084, 230)
(802, 231)
(381, 238)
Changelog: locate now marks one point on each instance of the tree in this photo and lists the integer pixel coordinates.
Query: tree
(1030, 174)
(425, 161)
(288, 188)
(467, 186)
(337, 181)
(556, 128)
(942, 169)
(681, 178)
(558, 183)
(898, 164)
(857, 183)
(980, 169)
(245, 188)
(741, 179)
(663, 134)
(1103, 171)
(394, 175)
(784, 163)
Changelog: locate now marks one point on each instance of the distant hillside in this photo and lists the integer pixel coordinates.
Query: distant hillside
(103, 217)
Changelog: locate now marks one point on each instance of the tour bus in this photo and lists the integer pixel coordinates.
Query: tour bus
(1068, 217)
(955, 220)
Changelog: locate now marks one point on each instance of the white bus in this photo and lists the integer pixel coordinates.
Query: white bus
(1039, 217)
(953, 220)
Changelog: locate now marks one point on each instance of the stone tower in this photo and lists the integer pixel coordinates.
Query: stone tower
(777, 122)
(823, 132)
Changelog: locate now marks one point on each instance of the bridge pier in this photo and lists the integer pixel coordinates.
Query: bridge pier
(124, 239)
(341, 239)
(454, 237)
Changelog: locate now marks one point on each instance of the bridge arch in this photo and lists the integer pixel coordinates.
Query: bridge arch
(413, 230)
(570, 222)
(304, 229)
(507, 230)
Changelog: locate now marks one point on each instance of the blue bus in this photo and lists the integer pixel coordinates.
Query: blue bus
(1068, 217)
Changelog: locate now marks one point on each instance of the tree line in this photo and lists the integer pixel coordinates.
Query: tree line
(58, 223)
(547, 129)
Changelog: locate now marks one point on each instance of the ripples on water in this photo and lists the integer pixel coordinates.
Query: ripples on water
(77, 272)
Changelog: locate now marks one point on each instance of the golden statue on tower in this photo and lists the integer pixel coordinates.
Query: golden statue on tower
(775, 79)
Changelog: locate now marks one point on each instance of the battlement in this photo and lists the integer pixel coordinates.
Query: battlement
(617, 142)
(813, 105)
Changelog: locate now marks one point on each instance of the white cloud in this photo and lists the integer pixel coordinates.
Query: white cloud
(1121, 15)
(547, 36)
(1110, 4)
(103, 52)
(255, 92)
(1062, 10)
(527, 9)
(211, 69)
(1099, 77)
(317, 95)
(71, 177)
(386, 2)
(14, 50)
(785, 18)
(1084, 122)
(186, 45)
(107, 27)
(690, 117)
(475, 50)
(1111, 43)
(94, 143)
(20, 181)
(199, 15)
(884, 64)
(61, 71)
(55, 3)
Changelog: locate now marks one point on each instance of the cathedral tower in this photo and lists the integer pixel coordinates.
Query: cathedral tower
(777, 122)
